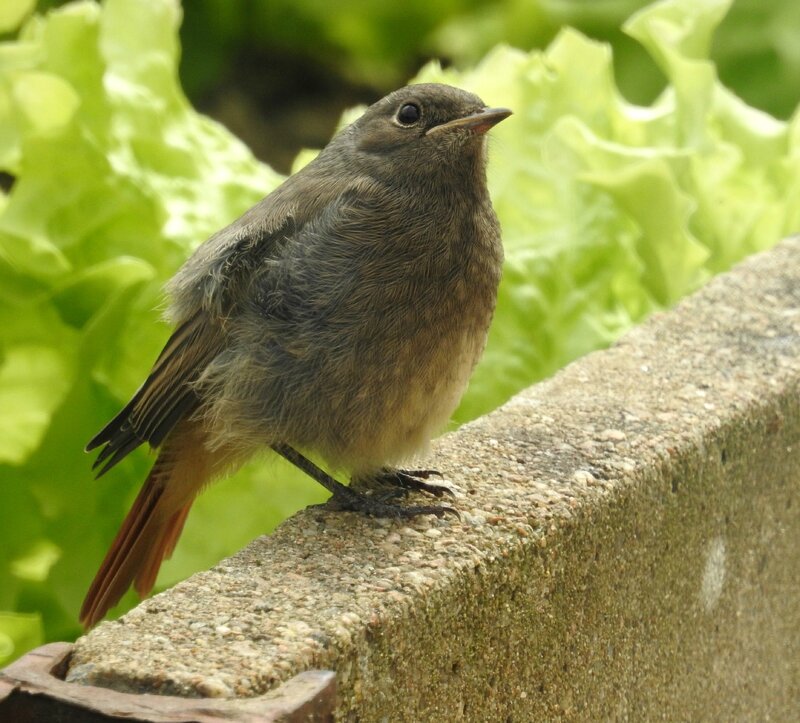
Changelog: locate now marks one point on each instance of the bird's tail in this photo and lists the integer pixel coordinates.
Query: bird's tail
(152, 528)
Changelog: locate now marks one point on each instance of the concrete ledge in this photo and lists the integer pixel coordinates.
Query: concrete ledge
(630, 547)
(32, 690)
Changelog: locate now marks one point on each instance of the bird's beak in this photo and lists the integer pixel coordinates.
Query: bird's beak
(479, 122)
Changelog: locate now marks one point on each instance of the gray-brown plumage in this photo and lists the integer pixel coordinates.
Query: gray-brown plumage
(341, 316)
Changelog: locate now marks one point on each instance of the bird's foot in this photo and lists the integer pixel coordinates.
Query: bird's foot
(410, 480)
(378, 504)
(382, 504)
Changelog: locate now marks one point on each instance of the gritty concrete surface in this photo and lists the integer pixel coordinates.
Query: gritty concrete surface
(32, 691)
(629, 548)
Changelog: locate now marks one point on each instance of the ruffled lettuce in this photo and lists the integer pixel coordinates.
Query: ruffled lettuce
(612, 210)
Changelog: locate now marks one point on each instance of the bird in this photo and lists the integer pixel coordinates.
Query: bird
(339, 319)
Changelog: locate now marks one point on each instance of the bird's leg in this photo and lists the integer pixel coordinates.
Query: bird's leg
(409, 479)
(346, 498)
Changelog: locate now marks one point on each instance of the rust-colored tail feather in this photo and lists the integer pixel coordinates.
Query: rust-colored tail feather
(152, 528)
(172, 531)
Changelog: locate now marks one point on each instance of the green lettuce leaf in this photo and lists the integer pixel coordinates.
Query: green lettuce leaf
(612, 210)
(19, 632)
(115, 180)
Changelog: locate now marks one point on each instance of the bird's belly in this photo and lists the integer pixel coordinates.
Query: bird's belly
(422, 387)
(428, 406)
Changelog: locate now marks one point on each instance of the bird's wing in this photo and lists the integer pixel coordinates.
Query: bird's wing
(205, 293)
(166, 396)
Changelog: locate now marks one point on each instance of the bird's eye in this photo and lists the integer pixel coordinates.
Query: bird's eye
(408, 114)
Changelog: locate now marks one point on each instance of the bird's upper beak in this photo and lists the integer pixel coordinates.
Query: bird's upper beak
(479, 122)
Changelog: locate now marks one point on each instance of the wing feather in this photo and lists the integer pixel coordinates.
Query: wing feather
(165, 398)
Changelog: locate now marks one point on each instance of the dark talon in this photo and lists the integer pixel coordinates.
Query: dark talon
(375, 505)
(380, 505)
(412, 480)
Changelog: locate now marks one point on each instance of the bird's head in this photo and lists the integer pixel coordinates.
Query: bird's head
(422, 125)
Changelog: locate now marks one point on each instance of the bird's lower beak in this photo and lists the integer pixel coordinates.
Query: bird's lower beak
(479, 122)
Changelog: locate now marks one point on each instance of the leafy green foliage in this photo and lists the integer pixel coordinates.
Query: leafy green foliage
(18, 632)
(116, 180)
(381, 43)
(609, 211)
(753, 46)
(612, 210)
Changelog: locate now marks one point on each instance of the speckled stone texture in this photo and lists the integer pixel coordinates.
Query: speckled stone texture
(629, 548)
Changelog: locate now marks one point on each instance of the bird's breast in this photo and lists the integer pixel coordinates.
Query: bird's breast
(417, 348)
(360, 351)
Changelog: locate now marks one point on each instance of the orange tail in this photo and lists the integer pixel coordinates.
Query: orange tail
(152, 528)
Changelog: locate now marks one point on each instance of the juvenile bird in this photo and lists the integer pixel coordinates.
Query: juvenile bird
(340, 317)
